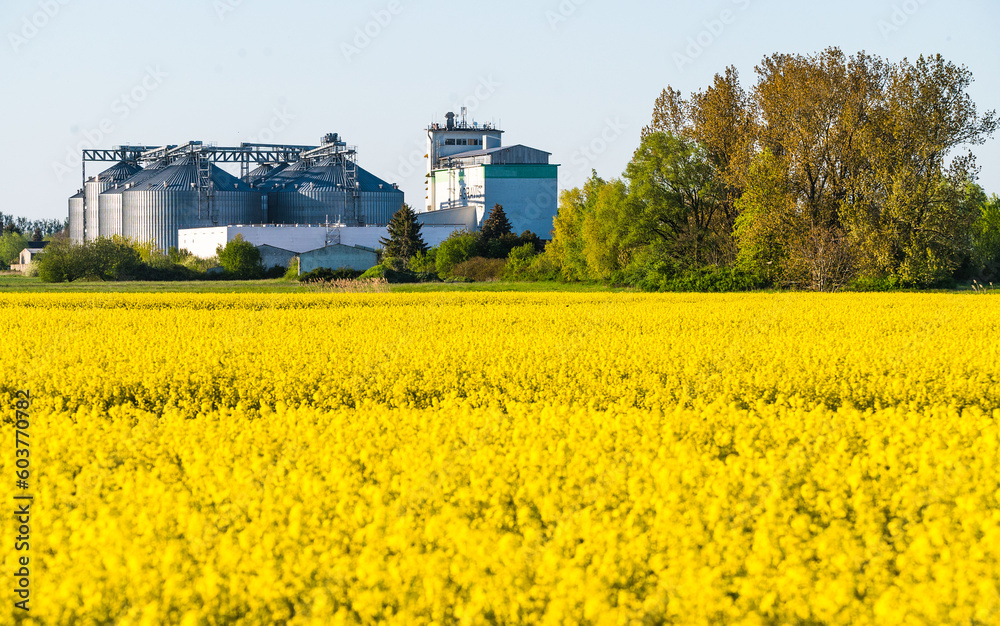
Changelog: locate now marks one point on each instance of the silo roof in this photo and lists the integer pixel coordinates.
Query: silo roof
(118, 172)
(183, 175)
(370, 182)
(139, 177)
(327, 174)
(276, 180)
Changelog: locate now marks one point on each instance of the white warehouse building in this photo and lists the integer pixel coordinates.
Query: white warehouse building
(468, 167)
(203, 242)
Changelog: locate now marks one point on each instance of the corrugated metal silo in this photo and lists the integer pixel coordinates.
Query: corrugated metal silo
(322, 194)
(110, 202)
(264, 171)
(76, 217)
(117, 173)
(155, 209)
(317, 196)
(279, 178)
(379, 200)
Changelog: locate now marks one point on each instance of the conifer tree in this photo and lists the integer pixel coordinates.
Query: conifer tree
(496, 225)
(404, 239)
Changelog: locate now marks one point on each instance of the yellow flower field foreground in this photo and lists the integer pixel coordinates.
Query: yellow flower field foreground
(507, 458)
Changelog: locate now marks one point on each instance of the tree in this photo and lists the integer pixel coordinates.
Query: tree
(37, 234)
(674, 186)
(11, 244)
(102, 259)
(986, 239)
(60, 262)
(404, 239)
(909, 210)
(240, 258)
(566, 250)
(609, 234)
(496, 225)
(108, 258)
(459, 247)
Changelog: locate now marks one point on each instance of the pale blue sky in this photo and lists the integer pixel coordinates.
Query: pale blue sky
(576, 78)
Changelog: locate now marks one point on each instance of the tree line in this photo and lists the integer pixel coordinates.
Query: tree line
(829, 171)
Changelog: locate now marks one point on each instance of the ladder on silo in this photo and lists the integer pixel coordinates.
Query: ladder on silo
(351, 182)
(206, 189)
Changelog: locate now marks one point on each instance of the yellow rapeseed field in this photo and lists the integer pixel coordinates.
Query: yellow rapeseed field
(505, 458)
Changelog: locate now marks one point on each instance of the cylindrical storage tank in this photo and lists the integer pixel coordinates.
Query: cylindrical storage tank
(318, 196)
(76, 217)
(155, 209)
(110, 202)
(379, 200)
(94, 187)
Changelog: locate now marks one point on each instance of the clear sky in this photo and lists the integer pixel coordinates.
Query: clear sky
(576, 78)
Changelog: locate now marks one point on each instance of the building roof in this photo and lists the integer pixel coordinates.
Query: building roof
(183, 175)
(270, 247)
(36, 245)
(505, 155)
(117, 173)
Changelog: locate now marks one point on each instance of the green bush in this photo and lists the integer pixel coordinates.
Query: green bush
(102, 259)
(292, 273)
(241, 259)
(458, 248)
(663, 275)
(424, 262)
(325, 273)
(880, 283)
(480, 269)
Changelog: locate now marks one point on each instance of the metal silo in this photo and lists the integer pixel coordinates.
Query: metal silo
(76, 217)
(319, 195)
(189, 193)
(109, 203)
(93, 188)
(263, 172)
(378, 200)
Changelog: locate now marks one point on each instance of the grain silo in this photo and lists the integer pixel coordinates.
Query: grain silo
(331, 191)
(76, 217)
(189, 193)
(109, 203)
(318, 195)
(93, 188)
(263, 172)
(379, 200)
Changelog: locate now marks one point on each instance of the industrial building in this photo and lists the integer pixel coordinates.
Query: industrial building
(298, 238)
(150, 193)
(290, 200)
(468, 167)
